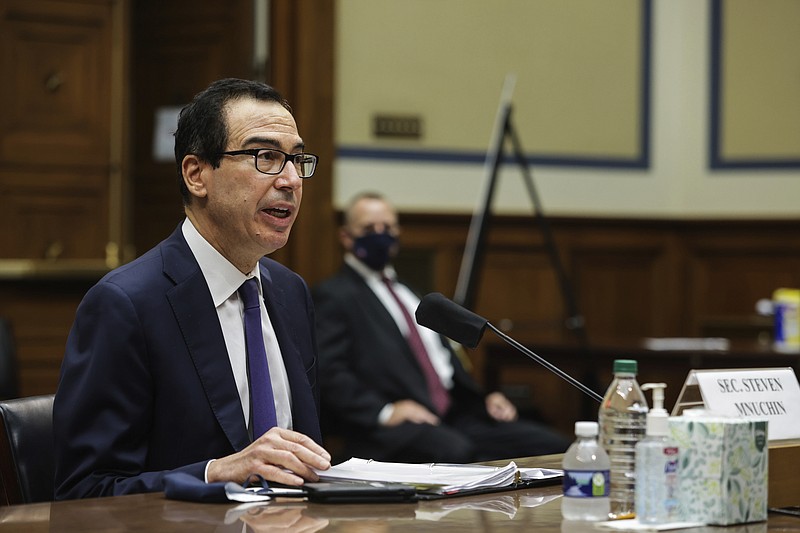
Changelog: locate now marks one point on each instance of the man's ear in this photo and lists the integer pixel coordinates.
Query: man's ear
(345, 239)
(195, 171)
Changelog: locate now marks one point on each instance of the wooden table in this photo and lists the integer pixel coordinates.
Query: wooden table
(520, 510)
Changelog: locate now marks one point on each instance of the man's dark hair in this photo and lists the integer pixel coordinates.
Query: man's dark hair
(202, 126)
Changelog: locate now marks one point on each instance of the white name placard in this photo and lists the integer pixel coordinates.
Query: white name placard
(771, 393)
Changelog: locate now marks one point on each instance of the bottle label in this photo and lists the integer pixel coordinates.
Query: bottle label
(671, 463)
(586, 483)
(672, 482)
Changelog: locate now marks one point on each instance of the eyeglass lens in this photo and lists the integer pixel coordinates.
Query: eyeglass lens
(272, 161)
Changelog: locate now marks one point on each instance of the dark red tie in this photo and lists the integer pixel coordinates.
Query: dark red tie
(439, 395)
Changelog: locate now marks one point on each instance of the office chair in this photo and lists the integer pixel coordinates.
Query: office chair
(8, 362)
(26, 450)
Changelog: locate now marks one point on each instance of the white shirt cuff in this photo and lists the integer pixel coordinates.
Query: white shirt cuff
(205, 474)
(385, 414)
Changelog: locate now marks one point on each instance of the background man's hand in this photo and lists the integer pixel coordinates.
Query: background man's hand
(411, 411)
(279, 455)
(500, 408)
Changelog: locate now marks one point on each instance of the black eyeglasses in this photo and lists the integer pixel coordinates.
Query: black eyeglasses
(269, 161)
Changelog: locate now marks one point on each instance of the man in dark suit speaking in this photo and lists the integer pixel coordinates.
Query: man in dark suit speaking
(200, 356)
(395, 390)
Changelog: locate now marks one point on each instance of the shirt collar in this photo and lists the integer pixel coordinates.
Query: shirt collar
(222, 278)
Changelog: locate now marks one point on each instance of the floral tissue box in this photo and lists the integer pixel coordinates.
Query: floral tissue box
(723, 470)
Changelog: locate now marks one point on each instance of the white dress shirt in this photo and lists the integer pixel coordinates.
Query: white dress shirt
(223, 281)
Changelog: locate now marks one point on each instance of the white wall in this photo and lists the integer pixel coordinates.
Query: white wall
(678, 184)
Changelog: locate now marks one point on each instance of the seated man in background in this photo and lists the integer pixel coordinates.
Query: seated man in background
(394, 389)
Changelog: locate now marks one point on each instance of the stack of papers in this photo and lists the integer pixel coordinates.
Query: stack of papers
(533, 474)
(435, 478)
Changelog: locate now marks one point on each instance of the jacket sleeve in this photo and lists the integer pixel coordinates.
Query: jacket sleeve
(101, 414)
(345, 394)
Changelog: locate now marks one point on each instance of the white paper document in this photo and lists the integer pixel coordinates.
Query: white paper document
(435, 477)
(759, 393)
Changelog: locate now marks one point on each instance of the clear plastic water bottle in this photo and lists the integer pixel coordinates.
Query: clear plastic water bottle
(586, 476)
(622, 424)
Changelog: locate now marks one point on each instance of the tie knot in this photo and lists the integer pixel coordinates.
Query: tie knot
(248, 292)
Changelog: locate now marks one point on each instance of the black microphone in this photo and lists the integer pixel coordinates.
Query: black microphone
(450, 319)
(446, 317)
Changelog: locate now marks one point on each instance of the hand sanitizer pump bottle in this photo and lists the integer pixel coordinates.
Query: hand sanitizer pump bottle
(657, 466)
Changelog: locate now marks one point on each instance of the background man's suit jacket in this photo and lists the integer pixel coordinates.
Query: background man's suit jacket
(146, 384)
(365, 363)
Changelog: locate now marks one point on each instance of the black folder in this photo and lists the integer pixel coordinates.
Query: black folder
(360, 492)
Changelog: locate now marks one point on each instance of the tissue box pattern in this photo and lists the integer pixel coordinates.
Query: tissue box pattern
(723, 469)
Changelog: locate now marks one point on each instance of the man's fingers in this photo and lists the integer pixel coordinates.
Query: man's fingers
(503, 413)
(411, 411)
(427, 417)
(294, 436)
(307, 443)
(294, 452)
(272, 472)
(299, 445)
(284, 467)
(279, 455)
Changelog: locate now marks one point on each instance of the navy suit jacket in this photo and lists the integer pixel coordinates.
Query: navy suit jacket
(146, 385)
(365, 363)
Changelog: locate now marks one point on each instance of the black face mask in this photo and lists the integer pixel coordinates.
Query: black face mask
(374, 249)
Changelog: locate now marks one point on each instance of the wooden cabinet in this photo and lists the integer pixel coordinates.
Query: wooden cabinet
(61, 146)
(62, 168)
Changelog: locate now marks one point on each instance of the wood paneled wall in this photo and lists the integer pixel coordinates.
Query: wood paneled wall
(632, 278)
(179, 47)
(302, 65)
(76, 174)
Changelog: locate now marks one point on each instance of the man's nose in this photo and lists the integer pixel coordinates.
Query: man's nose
(288, 178)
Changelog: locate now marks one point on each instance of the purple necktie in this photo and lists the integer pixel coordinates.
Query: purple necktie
(261, 399)
(439, 395)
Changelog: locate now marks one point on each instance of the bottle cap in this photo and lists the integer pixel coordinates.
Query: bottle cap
(586, 429)
(657, 417)
(626, 365)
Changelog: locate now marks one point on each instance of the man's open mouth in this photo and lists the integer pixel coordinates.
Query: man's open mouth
(277, 212)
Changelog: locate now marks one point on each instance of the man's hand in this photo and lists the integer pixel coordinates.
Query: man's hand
(279, 455)
(411, 411)
(264, 519)
(500, 408)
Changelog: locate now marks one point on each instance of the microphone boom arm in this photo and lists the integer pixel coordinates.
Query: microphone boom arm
(555, 370)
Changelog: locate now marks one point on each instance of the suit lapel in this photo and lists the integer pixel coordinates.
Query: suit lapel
(197, 318)
(407, 368)
(378, 310)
